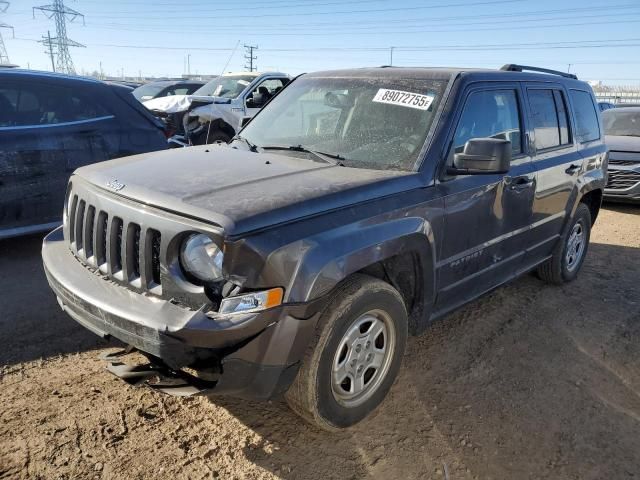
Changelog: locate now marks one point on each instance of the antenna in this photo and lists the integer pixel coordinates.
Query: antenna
(60, 43)
(4, 56)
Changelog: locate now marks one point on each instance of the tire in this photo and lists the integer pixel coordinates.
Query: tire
(559, 268)
(215, 136)
(349, 335)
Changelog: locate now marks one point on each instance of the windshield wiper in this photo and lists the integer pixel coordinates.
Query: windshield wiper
(252, 147)
(336, 158)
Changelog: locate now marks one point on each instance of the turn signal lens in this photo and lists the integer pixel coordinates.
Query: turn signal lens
(252, 302)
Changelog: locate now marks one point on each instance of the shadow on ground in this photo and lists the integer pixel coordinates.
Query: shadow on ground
(32, 324)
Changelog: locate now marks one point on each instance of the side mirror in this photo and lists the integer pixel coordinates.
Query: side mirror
(256, 100)
(482, 156)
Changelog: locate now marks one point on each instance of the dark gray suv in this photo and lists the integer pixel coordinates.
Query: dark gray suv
(354, 210)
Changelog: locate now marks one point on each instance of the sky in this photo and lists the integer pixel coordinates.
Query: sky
(596, 40)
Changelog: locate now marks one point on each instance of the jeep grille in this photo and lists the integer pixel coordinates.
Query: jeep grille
(121, 249)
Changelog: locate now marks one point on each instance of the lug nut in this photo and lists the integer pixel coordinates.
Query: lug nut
(369, 357)
(358, 348)
(368, 345)
(360, 369)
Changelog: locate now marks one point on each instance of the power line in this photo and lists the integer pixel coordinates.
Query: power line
(377, 31)
(250, 58)
(60, 42)
(337, 12)
(4, 56)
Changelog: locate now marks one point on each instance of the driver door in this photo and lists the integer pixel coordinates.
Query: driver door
(486, 216)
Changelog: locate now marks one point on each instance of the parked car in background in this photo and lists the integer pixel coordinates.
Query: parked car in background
(622, 130)
(354, 210)
(166, 88)
(51, 124)
(220, 120)
(605, 106)
(229, 91)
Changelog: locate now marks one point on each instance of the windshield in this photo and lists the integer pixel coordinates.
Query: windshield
(377, 123)
(620, 121)
(227, 86)
(150, 90)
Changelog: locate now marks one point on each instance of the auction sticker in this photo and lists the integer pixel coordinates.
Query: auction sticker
(404, 99)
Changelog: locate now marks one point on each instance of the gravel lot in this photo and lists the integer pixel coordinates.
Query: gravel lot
(532, 381)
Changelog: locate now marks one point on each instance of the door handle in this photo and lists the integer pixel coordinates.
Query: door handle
(520, 183)
(572, 169)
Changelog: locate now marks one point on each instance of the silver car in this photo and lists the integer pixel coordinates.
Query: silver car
(622, 130)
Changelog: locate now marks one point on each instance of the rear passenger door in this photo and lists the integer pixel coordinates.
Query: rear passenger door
(486, 216)
(557, 164)
(52, 130)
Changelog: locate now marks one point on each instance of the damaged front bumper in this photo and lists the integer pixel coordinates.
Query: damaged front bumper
(254, 355)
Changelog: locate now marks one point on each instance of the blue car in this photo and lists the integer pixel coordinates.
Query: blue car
(50, 125)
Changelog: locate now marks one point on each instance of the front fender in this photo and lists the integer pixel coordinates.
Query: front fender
(329, 257)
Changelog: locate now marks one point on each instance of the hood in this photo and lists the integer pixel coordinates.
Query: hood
(175, 103)
(621, 143)
(170, 104)
(243, 191)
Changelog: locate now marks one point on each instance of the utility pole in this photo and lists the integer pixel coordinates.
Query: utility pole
(391, 56)
(61, 15)
(188, 65)
(48, 43)
(569, 68)
(250, 66)
(4, 56)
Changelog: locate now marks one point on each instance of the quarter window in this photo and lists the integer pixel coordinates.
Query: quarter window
(587, 125)
(490, 114)
(549, 118)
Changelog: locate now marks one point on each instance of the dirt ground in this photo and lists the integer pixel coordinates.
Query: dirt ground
(532, 381)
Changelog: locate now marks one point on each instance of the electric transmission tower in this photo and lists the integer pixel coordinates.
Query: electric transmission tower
(4, 56)
(250, 66)
(60, 43)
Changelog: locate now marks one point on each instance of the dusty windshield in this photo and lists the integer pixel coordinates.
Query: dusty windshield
(623, 122)
(228, 86)
(379, 123)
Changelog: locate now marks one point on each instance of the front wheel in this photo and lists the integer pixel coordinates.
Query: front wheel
(356, 356)
(571, 250)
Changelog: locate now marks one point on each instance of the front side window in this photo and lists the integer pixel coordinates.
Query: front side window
(377, 123)
(549, 118)
(587, 126)
(490, 114)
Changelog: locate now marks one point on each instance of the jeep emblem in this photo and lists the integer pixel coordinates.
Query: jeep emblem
(115, 185)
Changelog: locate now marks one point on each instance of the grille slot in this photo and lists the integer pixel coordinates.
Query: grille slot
(101, 241)
(155, 241)
(79, 224)
(622, 179)
(132, 252)
(626, 163)
(115, 257)
(72, 219)
(88, 231)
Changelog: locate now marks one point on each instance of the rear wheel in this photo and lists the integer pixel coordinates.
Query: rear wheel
(355, 359)
(571, 250)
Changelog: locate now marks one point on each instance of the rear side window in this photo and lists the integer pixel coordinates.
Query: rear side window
(32, 104)
(549, 118)
(587, 126)
(490, 114)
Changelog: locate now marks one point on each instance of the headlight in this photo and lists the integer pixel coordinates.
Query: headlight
(251, 302)
(201, 258)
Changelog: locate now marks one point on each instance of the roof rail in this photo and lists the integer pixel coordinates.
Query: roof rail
(512, 67)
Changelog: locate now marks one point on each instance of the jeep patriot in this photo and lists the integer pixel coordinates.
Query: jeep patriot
(352, 211)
